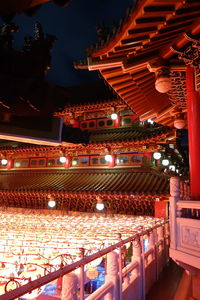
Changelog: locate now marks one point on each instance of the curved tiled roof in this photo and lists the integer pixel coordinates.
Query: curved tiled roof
(127, 134)
(92, 181)
(151, 32)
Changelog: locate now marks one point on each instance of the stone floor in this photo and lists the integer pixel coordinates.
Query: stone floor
(166, 286)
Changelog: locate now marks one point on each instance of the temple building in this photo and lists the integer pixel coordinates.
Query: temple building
(117, 166)
(85, 196)
(151, 60)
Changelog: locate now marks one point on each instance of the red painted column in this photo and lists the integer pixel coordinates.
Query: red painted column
(193, 103)
(10, 163)
(117, 122)
(111, 163)
(68, 162)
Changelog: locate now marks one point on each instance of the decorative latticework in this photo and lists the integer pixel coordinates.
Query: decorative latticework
(197, 80)
(177, 94)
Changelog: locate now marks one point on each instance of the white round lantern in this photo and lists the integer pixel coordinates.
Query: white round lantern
(62, 159)
(108, 157)
(165, 162)
(4, 162)
(52, 203)
(114, 116)
(157, 155)
(99, 206)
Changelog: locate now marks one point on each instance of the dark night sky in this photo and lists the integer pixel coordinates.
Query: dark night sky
(74, 27)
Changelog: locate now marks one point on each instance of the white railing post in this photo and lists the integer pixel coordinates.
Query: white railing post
(151, 245)
(82, 275)
(155, 239)
(143, 268)
(166, 241)
(175, 195)
(120, 267)
(69, 287)
(137, 257)
(161, 248)
(112, 275)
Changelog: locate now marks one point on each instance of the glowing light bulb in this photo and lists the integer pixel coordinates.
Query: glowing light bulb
(74, 162)
(114, 116)
(157, 155)
(4, 162)
(52, 203)
(165, 162)
(62, 159)
(99, 206)
(108, 157)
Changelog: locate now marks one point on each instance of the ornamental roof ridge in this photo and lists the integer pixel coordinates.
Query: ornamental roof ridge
(88, 106)
(105, 36)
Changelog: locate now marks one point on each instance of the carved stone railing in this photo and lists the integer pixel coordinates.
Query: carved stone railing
(122, 281)
(185, 229)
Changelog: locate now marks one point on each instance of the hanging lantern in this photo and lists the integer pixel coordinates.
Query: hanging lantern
(165, 162)
(157, 155)
(114, 116)
(62, 159)
(100, 204)
(179, 123)
(52, 203)
(108, 157)
(163, 80)
(4, 162)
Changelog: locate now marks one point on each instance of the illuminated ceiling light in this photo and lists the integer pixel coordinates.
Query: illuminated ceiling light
(172, 168)
(4, 162)
(114, 116)
(52, 203)
(150, 121)
(177, 171)
(157, 155)
(62, 159)
(108, 157)
(165, 162)
(100, 204)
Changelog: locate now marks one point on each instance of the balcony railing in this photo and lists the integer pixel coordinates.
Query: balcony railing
(184, 228)
(128, 281)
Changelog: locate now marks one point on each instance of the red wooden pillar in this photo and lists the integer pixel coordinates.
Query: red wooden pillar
(68, 162)
(193, 103)
(10, 163)
(161, 209)
(111, 163)
(117, 122)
